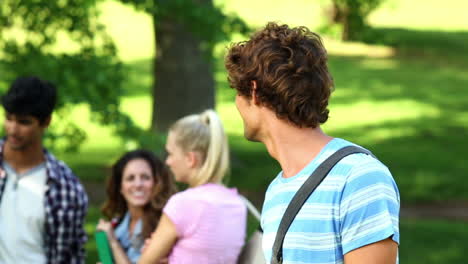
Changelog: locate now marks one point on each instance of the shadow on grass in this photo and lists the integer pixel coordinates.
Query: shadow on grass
(441, 47)
(425, 159)
(380, 80)
(448, 242)
(90, 226)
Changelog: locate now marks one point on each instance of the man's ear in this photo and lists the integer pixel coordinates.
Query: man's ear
(254, 93)
(46, 122)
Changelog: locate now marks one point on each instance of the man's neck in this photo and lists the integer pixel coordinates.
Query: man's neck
(293, 147)
(24, 159)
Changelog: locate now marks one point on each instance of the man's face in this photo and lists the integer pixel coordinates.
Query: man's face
(23, 131)
(248, 112)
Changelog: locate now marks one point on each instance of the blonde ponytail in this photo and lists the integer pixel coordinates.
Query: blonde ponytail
(204, 133)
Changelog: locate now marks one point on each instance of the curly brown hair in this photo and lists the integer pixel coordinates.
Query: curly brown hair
(116, 206)
(289, 66)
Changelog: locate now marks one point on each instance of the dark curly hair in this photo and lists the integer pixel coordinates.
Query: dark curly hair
(289, 66)
(31, 96)
(116, 206)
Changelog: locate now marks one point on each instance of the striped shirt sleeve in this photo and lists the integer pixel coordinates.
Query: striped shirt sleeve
(369, 207)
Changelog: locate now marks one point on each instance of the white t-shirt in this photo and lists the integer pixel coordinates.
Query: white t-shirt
(22, 216)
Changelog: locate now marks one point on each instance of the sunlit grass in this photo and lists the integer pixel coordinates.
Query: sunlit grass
(368, 112)
(339, 48)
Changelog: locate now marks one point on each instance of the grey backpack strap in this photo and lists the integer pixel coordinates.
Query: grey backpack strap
(304, 192)
(251, 208)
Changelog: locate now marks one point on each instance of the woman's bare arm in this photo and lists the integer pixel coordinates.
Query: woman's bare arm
(162, 241)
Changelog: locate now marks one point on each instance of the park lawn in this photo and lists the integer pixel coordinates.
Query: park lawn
(433, 241)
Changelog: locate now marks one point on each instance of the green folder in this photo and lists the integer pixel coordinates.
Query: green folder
(103, 247)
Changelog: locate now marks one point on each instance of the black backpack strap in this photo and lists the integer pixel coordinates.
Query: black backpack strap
(304, 192)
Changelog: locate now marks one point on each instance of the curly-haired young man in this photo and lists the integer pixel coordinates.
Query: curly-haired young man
(283, 87)
(42, 203)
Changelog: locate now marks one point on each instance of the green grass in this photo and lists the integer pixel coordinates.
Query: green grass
(440, 48)
(91, 222)
(409, 113)
(433, 241)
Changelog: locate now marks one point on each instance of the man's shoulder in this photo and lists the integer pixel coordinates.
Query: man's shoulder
(367, 180)
(361, 164)
(360, 171)
(63, 175)
(356, 162)
(59, 168)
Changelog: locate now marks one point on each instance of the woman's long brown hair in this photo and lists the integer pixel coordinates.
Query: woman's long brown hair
(116, 206)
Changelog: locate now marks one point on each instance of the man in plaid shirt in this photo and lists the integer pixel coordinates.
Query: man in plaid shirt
(42, 203)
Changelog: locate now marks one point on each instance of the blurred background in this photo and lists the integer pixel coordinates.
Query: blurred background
(126, 69)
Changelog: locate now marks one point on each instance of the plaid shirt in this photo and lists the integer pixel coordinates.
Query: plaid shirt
(66, 204)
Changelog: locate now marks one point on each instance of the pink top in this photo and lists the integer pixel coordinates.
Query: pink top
(211, 224)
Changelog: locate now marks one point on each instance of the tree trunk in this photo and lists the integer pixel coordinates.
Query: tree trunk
(346, 27)
(183, 76)
(353, 24)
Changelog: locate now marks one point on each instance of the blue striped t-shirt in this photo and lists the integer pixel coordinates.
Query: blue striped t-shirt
(357, 204)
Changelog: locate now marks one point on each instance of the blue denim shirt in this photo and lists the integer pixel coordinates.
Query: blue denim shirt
(131, 244)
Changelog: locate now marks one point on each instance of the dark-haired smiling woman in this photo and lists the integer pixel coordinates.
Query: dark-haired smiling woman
(137, 191)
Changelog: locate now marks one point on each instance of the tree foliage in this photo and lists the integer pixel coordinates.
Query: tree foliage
(352, 14)
(62, 41)
(85, 69)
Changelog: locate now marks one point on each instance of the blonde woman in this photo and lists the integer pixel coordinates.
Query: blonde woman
(207, 222)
